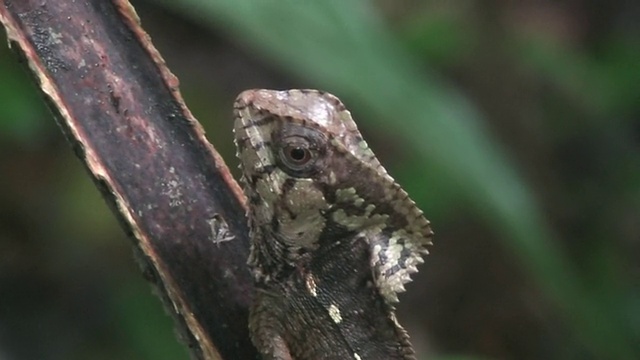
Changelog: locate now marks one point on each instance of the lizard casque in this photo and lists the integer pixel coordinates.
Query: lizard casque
(334, 237)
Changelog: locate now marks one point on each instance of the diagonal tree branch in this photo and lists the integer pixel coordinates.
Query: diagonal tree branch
(121, 110)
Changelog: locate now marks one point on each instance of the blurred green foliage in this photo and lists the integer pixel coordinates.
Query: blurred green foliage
(19, 115)
(517, 117)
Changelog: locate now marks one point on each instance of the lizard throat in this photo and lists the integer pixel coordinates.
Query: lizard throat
(286, 219)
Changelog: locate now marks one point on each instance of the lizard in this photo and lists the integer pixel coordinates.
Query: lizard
(333, 237)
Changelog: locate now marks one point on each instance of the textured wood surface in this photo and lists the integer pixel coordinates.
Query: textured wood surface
(120, 108)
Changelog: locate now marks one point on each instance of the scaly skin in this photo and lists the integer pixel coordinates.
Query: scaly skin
(334, 238)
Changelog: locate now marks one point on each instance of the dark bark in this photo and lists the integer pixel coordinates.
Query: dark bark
(120, 108)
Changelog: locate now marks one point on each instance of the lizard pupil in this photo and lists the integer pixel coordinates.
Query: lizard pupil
(298, 154)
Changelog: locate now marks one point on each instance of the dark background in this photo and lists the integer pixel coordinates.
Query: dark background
(514, 125)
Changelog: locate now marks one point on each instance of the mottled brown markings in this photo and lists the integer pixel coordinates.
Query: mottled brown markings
(253, 180)
(239, 106)
(267, 169)
(292, 215)
(262, 145)
(261, 121)
(327, 190)
(254, 199)
(288, 185)
(302, 227)
(362, 309)
(275, 224)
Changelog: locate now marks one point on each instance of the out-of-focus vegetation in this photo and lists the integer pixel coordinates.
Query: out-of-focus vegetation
(514, 125)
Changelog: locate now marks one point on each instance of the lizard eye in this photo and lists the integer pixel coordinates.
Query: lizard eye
(297, 155)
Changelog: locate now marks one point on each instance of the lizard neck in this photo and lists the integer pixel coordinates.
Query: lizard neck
(283, 236)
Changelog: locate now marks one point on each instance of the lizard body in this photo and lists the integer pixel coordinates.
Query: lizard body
(334, 238)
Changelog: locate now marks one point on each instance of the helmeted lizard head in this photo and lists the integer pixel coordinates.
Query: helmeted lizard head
(312, 180)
